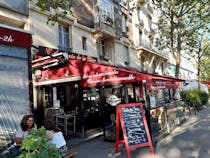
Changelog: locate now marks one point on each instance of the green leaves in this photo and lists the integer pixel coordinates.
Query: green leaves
(59, 9)
(181, 25)
(37, 146)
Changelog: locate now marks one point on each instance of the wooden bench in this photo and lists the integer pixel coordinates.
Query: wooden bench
(70, 154)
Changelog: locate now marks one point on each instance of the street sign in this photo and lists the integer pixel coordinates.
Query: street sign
(135, 130)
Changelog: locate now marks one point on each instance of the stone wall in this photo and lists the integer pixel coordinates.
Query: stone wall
(83, 11)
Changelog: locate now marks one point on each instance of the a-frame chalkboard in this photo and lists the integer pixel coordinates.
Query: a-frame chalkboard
(136, 134)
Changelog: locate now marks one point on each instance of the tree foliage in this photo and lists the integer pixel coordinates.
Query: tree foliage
(205, 63)
(177, 23)
(198, 41)
(61, 8)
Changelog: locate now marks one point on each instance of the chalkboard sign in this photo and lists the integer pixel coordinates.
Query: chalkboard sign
(134, 126)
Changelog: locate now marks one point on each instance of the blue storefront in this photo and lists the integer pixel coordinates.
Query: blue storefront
(15, 77)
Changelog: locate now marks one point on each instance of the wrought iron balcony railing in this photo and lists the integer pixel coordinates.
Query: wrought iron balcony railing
(147, 45)
(105, 24)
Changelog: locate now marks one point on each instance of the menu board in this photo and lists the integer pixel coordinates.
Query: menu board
(152, 100)
(134, 126)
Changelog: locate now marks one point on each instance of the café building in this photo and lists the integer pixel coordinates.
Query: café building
(84, 93)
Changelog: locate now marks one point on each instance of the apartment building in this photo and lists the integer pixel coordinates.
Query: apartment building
(100, 55)
(15, 68)
(105, 48)
(97, 32)
(151, 59)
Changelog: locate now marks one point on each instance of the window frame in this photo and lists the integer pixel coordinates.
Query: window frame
(107, 8)
(84, 43)
(64, 44)
(126, 55)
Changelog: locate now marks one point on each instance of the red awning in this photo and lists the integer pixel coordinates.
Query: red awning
(162, 85)
(96, 74)
(161, 82)
(93, 74)
(66, 71)
(206, 83)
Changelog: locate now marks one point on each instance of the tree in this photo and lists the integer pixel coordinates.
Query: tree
(61, 8)
(173, 25)
(205, 64)
(198, 41)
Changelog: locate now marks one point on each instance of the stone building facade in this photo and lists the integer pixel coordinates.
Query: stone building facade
(15, 67)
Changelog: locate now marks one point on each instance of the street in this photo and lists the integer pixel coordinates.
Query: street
(190, 140)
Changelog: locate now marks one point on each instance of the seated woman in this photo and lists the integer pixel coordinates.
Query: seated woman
(26, 125)
(57, 137)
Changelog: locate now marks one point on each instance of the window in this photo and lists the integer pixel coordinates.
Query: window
(140, 37)
(124, 23)
(102, 50)
(126, 55)
(107, 8)
(154, 67)
(84, 43)
(142, 64)
(64, 42)
(162, 68)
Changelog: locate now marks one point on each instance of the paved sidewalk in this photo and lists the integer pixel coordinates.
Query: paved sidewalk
(190, 140)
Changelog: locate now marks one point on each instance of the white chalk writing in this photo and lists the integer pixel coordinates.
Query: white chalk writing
(134, 125)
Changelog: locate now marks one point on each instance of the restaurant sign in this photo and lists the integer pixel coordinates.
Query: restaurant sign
(103, 77)
(161, 84)
(95, 74)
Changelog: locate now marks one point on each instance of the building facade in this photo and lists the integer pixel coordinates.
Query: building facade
(102, 55)
(15, 68)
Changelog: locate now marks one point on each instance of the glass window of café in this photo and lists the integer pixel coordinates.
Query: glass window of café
(157, 100)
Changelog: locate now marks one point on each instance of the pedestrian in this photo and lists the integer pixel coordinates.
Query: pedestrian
(26, 125)
(57, 137)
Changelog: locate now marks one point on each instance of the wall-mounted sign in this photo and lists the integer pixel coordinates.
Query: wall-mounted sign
(16, 38)
(95, 74)
(161, 84)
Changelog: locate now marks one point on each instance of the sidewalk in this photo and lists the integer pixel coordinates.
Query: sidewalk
(190, 140)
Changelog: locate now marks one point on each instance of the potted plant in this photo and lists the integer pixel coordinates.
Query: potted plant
(36, 146)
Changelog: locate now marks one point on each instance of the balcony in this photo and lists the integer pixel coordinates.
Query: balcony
(105, 25)
(147, 46)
